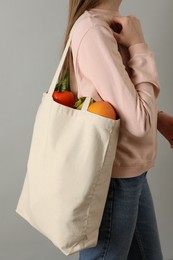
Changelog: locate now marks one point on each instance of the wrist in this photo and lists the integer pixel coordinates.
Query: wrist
(137, 42)
(138, 49)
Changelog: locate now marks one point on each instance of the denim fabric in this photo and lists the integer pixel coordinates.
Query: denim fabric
(128, 229)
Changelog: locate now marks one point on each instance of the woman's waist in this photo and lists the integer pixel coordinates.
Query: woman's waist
(134, 154)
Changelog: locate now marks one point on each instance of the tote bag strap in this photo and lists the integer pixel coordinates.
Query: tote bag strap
(57, 73)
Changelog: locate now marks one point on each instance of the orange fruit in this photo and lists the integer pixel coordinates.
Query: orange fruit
(103, 108)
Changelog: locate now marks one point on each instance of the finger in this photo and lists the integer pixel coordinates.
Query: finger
(117, 37)
(118, 20)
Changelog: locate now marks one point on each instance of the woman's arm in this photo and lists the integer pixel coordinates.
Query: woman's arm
(165, 126)
(100, 64)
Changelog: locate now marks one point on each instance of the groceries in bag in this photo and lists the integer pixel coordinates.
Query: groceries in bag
(63, 95)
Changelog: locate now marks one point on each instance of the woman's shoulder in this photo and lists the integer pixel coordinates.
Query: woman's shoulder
(87, 21)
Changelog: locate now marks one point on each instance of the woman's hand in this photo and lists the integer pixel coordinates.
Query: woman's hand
(165, 126)
(127, 30)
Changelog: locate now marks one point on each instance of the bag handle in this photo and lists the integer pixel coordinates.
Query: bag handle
(57, 73)
(86, 104)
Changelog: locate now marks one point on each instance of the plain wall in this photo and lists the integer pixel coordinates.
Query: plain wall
(30, 46)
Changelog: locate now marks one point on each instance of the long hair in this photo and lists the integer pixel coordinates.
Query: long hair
(76, 9)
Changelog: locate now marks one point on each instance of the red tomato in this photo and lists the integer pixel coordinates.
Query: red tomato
(65, 98)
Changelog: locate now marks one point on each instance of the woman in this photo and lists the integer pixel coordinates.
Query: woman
(112, 62)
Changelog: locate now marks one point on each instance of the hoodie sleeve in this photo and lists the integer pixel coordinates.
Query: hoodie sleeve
(134, 97)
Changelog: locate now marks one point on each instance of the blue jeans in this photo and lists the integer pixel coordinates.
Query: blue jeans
(128, 229)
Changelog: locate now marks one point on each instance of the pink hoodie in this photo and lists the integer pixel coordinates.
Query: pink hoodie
(127, 78)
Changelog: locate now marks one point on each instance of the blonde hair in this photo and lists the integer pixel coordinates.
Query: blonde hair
(76, 9)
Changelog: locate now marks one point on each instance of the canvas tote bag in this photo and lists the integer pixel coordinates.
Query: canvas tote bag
(68, 172)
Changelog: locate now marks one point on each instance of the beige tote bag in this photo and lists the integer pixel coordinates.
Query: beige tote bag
(68, 172)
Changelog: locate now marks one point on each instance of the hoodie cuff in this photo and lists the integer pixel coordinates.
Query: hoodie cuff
(138, 49)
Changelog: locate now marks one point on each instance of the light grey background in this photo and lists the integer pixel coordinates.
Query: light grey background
(31, 33)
